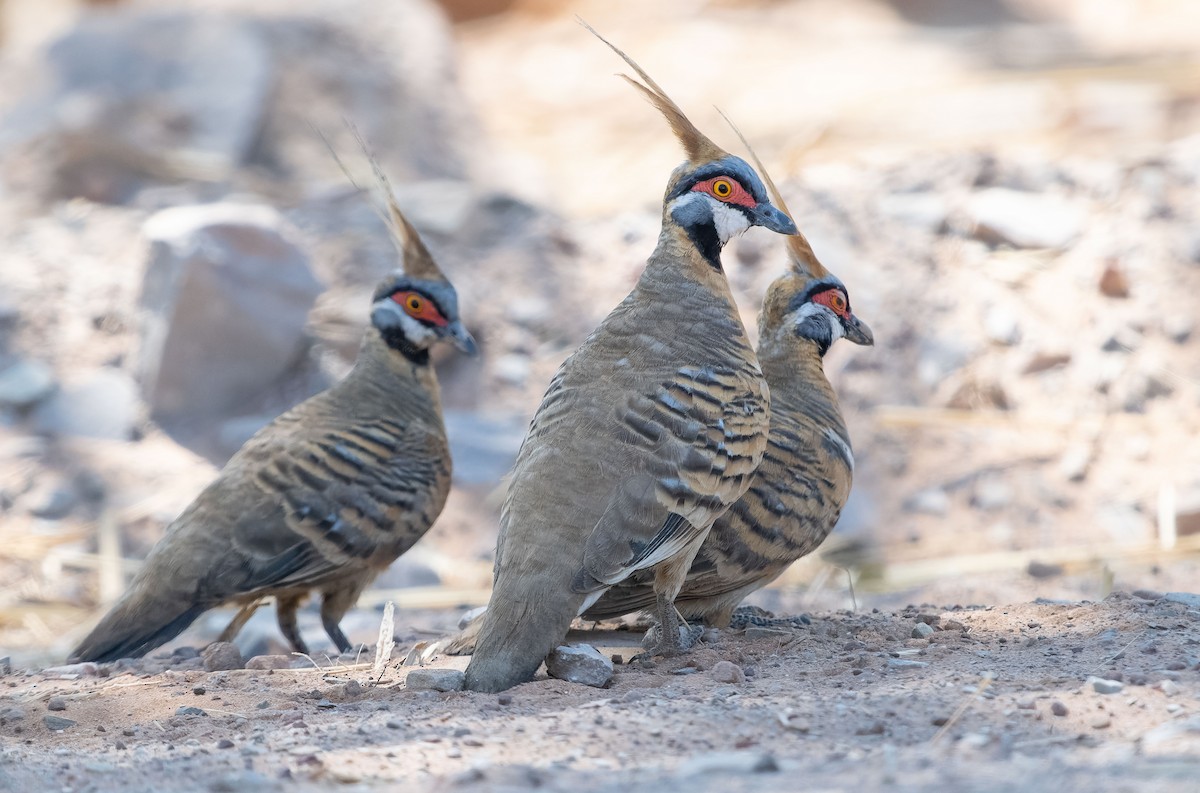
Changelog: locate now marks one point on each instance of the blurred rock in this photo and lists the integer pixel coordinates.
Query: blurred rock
(407, 571)
(483, 447)
(1178, 327)
(268, 662)
(51, 499)
(580, 663)
(1042, 361)
(25, 383)
(136, 97)
(220, 656)
(929, 502)
(992, 493)
(1113, 282)
(1001, 326)
(925, 211)
(1025, 220)
(100, 404)
(939, 357)
(227, 296)
(1076, 460)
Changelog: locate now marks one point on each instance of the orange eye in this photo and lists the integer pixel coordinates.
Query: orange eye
(837, 302)
(722, 188)
(413, 304)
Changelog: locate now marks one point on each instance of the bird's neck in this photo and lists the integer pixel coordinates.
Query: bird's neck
(407, 382)
(795, 370)
(684, 255)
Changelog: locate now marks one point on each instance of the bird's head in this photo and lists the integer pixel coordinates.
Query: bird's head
(412, 313)
(414, 307)
(714, 196)
(808, 302)
(815, 309)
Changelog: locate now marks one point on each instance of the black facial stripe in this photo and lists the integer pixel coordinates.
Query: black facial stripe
(704, 236)
(394, 337)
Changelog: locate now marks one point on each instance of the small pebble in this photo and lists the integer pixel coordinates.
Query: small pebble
(922, 630)
(1103, 686)
(221, 656)
(224, 743)
(1101, 723)
(1168, 687)
(504, 699)
(199, 690)
(190, 710)
(265, 662)
(906, 663)
(727, 672)
(1058, 709)
(56, 703)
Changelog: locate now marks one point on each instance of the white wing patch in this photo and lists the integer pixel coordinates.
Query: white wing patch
(840, 443)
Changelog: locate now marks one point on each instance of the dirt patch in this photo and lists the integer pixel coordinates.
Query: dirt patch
(993, 698)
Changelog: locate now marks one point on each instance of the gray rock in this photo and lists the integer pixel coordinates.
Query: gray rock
(190, 710)
(73, 671)
(128, 97)
(101, 404)
(926, 211)
(992, 493)
(1103, 686)
(220, 656)
(1058, 708)
(929, 502)
(727, 672)
(226, 297)
(56, 703)
(1025, 220)
(1178, 327)
(58, 723)
(923, 630)
(483, 447)
(580, 663)
(748, 762)
(26, 383)
(906, 663)
(1076, 461)
(265, 662)
(1186, 598)
(426, 679)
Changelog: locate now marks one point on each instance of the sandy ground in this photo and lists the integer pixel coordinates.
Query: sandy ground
(996, 698)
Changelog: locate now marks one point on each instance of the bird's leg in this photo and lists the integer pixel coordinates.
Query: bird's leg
(239, 620)
(333, 608)
(285, 612)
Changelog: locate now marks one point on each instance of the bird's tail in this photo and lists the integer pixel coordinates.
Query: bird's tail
(517, 631)
(137, 624)
(463, 642)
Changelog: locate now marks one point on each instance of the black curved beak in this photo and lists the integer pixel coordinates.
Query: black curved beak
(769, 217)
(461, 337)
(858, 332)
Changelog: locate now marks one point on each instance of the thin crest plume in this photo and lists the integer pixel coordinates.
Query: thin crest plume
(804, 259)
(418, 263)
(698, 148)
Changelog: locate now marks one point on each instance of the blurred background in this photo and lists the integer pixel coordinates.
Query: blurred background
(1009, 188)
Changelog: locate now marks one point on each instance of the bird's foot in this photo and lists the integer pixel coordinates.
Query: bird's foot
(755, 617)
(654, 644)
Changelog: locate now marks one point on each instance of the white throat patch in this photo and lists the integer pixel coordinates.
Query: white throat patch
(730, 222)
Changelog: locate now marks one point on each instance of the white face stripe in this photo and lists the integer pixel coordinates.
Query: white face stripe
(730, 222)
(807, 310)
(418, 334)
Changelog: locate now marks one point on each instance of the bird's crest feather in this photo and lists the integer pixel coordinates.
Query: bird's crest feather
(696, 145)
(803, 259)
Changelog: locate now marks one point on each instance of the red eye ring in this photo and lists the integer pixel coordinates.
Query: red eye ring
(834, 300)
